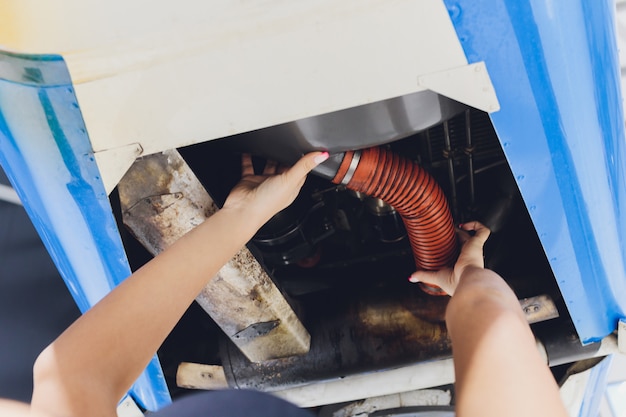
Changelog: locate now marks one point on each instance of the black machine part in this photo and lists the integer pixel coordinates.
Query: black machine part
(352, 332)
(352, 291)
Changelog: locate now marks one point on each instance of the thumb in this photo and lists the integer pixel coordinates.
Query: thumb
(428, 277)
(305, 165)
(439, 279)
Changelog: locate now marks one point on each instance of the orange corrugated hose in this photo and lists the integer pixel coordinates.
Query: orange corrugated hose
(415, 195)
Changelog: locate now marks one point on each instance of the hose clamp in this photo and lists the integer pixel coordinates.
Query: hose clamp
(356, 157)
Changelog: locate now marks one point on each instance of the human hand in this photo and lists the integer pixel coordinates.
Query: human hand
(471, 256)
(265, 195)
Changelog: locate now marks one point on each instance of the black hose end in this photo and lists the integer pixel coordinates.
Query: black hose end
(328, 169)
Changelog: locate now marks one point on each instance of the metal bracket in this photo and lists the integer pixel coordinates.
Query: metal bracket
(469, 84)
(128, 408)
(114, 163)
(539, 308)
(199, 376)
(621, 336)
(256, 330)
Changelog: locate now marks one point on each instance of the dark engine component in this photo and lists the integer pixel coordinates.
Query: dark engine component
(331, 234)
(354, 332)
(342, 257)
(293, 234)
(385, 219)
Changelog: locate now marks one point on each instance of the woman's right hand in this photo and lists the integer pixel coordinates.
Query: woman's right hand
(473, 236)
(265, 194)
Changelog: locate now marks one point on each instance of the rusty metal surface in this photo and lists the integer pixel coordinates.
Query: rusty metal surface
(242, 296)
(161, 200)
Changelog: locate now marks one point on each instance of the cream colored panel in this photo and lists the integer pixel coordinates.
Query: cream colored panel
(268, 69)
(165, 74)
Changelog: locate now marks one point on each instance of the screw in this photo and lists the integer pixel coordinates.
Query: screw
(533, 308)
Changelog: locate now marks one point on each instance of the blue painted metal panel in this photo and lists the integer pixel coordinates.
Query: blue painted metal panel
(555, 70)
(46, 153)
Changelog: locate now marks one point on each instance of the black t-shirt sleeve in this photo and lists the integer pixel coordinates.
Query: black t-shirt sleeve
(231, 403)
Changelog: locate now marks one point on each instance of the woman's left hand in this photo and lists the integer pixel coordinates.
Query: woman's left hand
(266, 194)
(471, 256)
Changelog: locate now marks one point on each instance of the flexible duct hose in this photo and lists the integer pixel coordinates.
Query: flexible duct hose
(416, 197)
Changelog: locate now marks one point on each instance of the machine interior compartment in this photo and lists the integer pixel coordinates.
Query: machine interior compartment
(342, 259)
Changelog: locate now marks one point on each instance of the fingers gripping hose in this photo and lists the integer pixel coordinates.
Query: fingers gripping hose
(413, 193)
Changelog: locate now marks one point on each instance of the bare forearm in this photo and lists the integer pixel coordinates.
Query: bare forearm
(497, 365)
(134, 319)
(90, 366)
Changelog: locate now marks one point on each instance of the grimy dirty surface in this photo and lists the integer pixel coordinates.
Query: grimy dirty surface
(161, 200)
